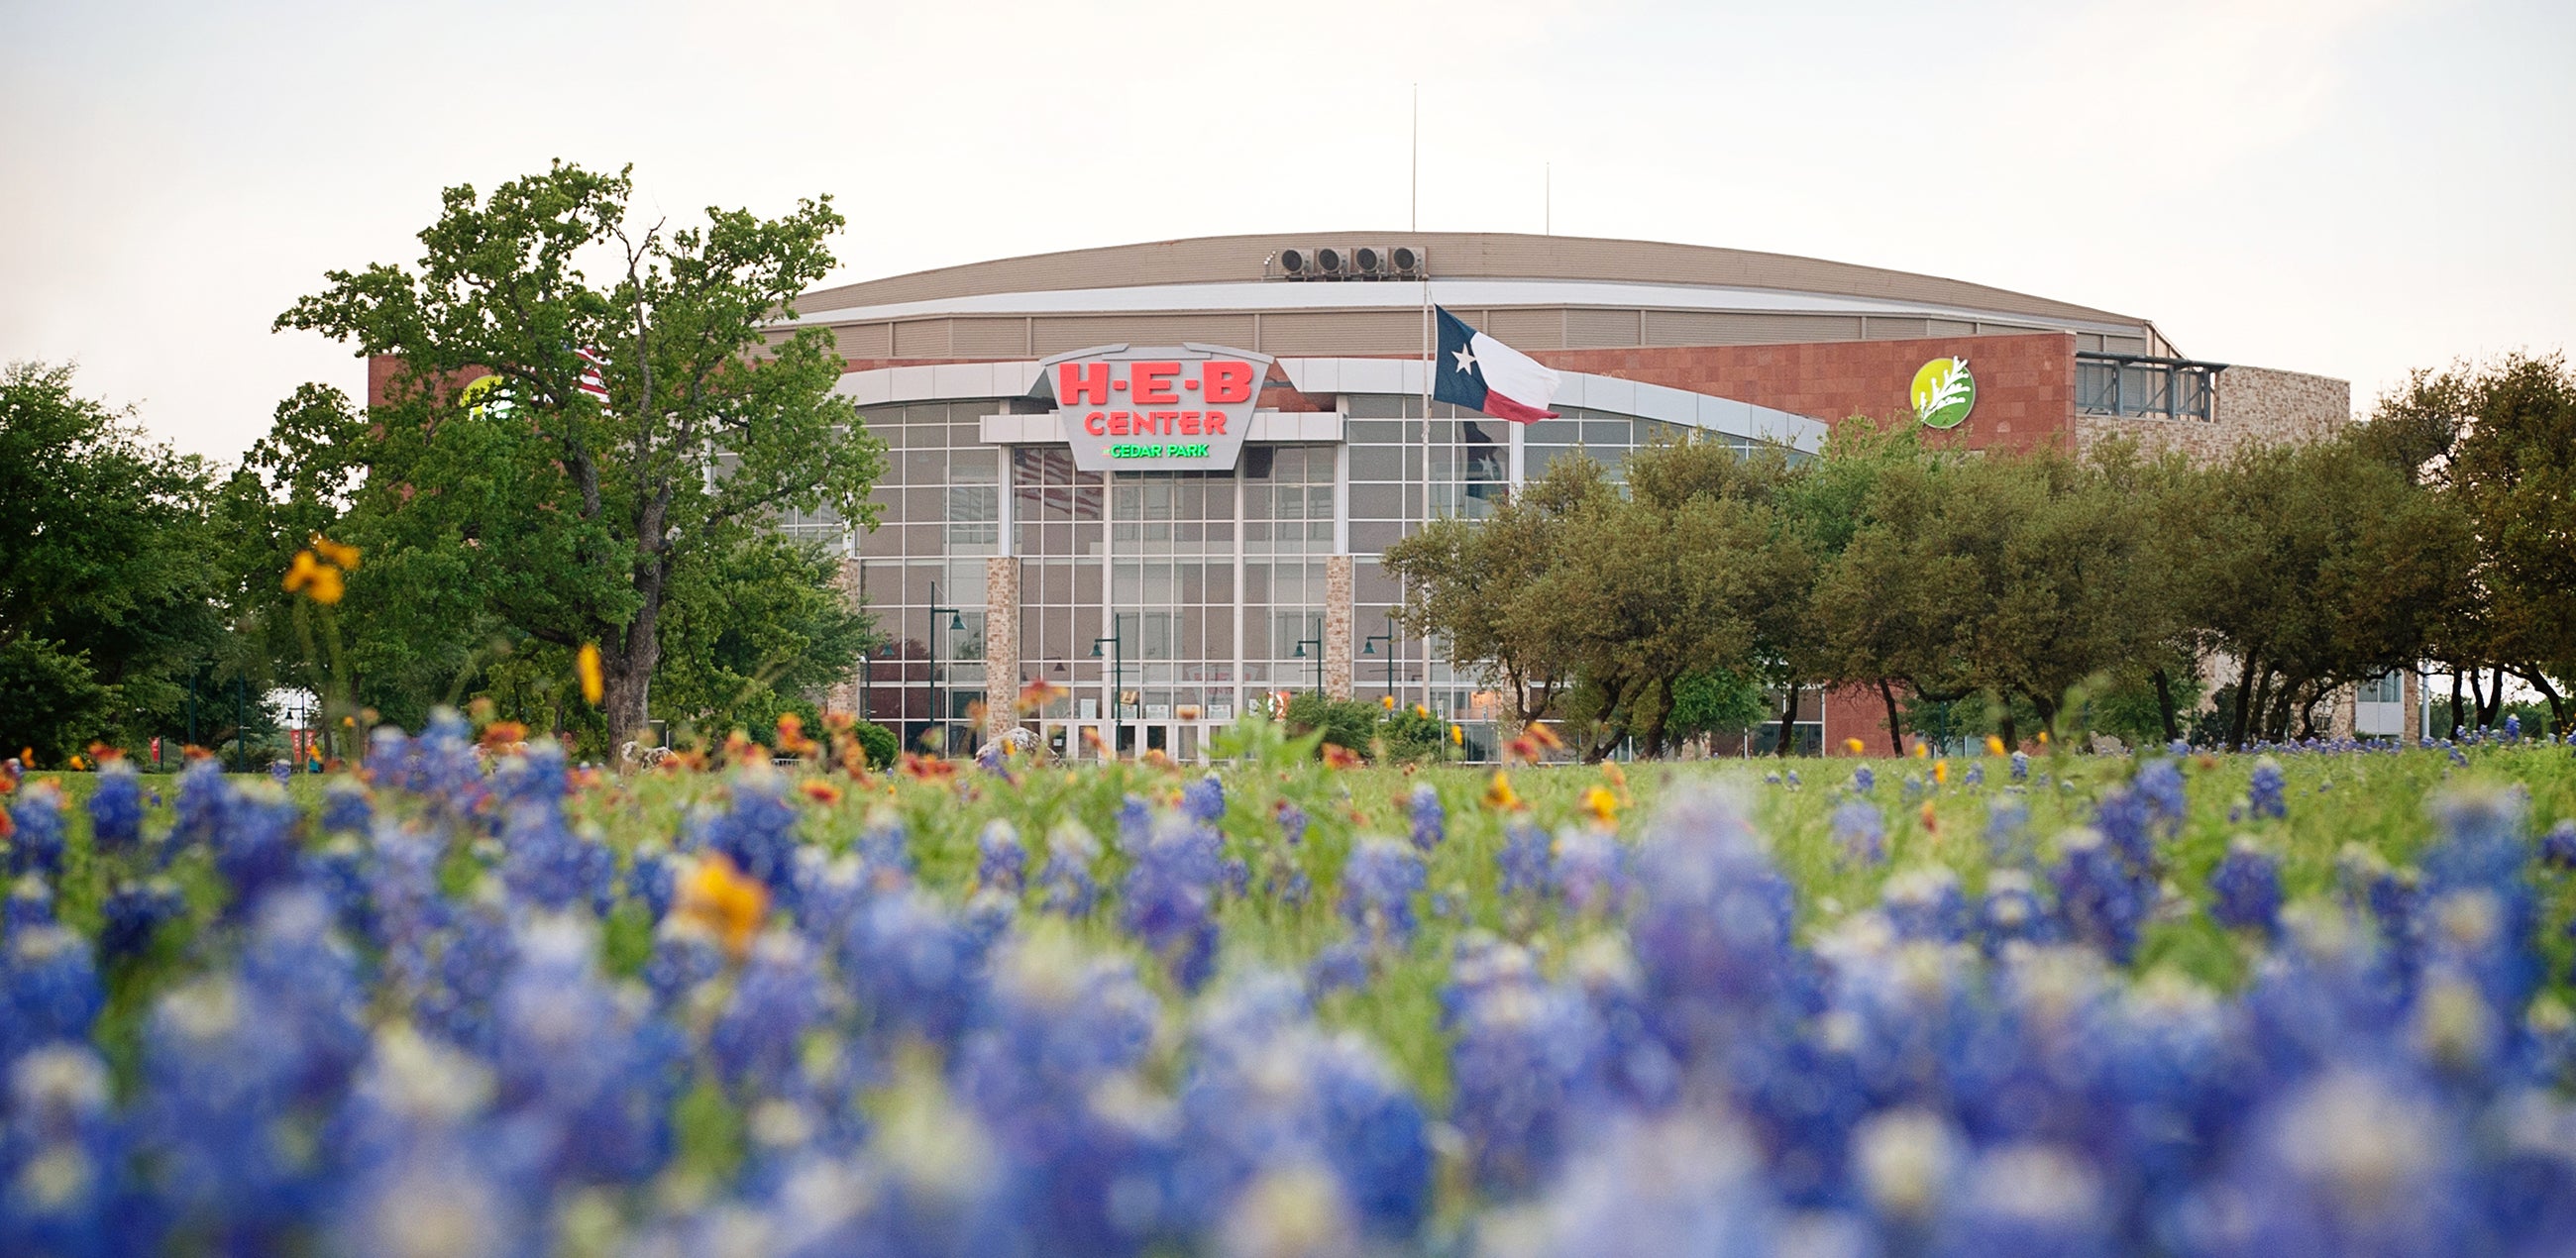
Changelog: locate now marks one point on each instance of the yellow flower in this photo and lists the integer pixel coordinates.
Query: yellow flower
(1498, 792)
(1389, 702)
(1602, 804)
(2043, 738)
(1419, 710)
(1457, 735)
(718, 897)
(1994, 745)
(1852, 745)
(585, 665)
(1941, 772)
(314, 579)
(1922, 751)
(337, 554)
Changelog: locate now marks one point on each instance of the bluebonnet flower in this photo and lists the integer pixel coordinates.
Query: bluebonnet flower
(1976, 775)
(2029, 1199)
(1065, 881)
(1590, 871)
(778, 998)
(1925, 903)
(1861, 831)
(1863, 781)
(1524, 1065)
(1000, 861)
(2007, 827)
(1379, 882)
(586, 1074)
(51, 989)
(552, 867)
(30, 904)
(1169, 897)
(2558, 846)
(36, 844)
(2263, 791)
(650, 878)
(204, 799)
(472, 955)
(2100, 897)
(1338, 965)
(2350, 1162)
(134, 913)
(757, 832)
(1791, 777)
(59, 1155)
(2513, 729)
(2247, 887)
(916, 968)
(1203, 801)
(1685, 1183)
(2159, 786)
(2021, 766)
(1430, 820)
(2126, 819)
(255, 847)
(1524, 858)
(1714, 935)
(281, 772)
(346, 807)
(685, 955)
(2178, 748)
(884, 844)
(2012, 910)
(116, 807)
(1908, 1162)
(1292, 823)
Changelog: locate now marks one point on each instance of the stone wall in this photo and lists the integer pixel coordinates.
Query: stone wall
(1337, 626)
(2256, 405)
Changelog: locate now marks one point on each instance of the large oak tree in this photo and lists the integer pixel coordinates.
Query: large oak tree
(568, 518)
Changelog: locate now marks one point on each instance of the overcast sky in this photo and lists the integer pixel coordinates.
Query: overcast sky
(2352, 188)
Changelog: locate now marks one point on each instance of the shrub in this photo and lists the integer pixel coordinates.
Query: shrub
(878, 741)
(1347, 723)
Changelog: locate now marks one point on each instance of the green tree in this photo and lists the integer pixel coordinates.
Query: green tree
(2513, 469)
(109, 580)
(562, 517)
(754, 637)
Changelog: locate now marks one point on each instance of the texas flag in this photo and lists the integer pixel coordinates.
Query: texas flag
(1480, 373)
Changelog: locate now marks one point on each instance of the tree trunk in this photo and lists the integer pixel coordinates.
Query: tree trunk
(2011, 732)
(2494, 708)
(1788, 722)
(1895, 728)
(2477, 696)
(2244, 704)
(2165, 706)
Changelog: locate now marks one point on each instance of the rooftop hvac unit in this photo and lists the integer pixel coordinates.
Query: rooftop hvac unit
(1409, 263)
(1295, 264)
(1369, 261)
(1332, 263)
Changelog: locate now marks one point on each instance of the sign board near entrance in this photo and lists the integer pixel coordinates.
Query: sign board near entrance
(1161, 407)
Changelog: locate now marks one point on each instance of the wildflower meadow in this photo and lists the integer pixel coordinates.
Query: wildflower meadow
(473, 998)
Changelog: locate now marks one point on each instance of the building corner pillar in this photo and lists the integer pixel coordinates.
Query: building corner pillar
(1337, 626)
(849, 694)
(1001, 644)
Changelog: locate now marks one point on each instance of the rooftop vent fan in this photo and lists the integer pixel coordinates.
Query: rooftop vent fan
(1408, 261)
(1331, 261)
(1370, 260)
(1294, 263)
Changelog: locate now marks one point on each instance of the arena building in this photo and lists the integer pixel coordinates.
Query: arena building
(1214, 543)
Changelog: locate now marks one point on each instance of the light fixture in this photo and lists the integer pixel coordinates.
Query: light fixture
(1301, 650)
(957, 621)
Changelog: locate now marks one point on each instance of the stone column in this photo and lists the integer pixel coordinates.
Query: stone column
(1001, 644)
(844, 695)
(1337, 626)
(2411, 726)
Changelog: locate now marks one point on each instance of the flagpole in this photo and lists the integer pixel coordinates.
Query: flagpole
(1429, 364)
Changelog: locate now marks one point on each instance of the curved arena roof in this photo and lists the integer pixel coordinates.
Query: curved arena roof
(1535, 292)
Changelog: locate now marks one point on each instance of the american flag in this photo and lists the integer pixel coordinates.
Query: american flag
(593, 363)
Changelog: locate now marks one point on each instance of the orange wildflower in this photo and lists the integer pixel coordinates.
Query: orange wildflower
(927, 768)
(1941, 773)
(730, 906)
(500, 736)
(1040, 693)
(585, 666)
(1546, 737)
(1337, 756)
(314, 579)
(1931, 822)
(820, 791)
(1853, 745)
(1498, 793)
(791, 736)
(1994, 745)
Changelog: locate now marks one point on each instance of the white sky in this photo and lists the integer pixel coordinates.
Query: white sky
(2352, 188)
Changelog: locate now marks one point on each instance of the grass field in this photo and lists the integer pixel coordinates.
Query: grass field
(1564, 930)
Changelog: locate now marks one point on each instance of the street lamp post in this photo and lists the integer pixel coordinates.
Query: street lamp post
(1368, 646)
(1117, 674)
(957, 622)
(1317, 643)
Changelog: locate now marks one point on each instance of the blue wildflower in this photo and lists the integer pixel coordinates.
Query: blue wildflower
(1065, 882)
(1926, 903)
(2021, 766)
(1169, 898)
(1430, 820)
(346, 807)
(1292, 823)
(758, 1038)
(1524, 1066)
(1203, 801)
(2247, 887)
(2263, 791)
(1000, 861)
(36, 846)
(50, 988)
(134, 913)
(1861, 831)
(116, 807)
(1379, 882)
(1524, 858)
(1863, 781)
(2101, 898)
(2558, 846)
